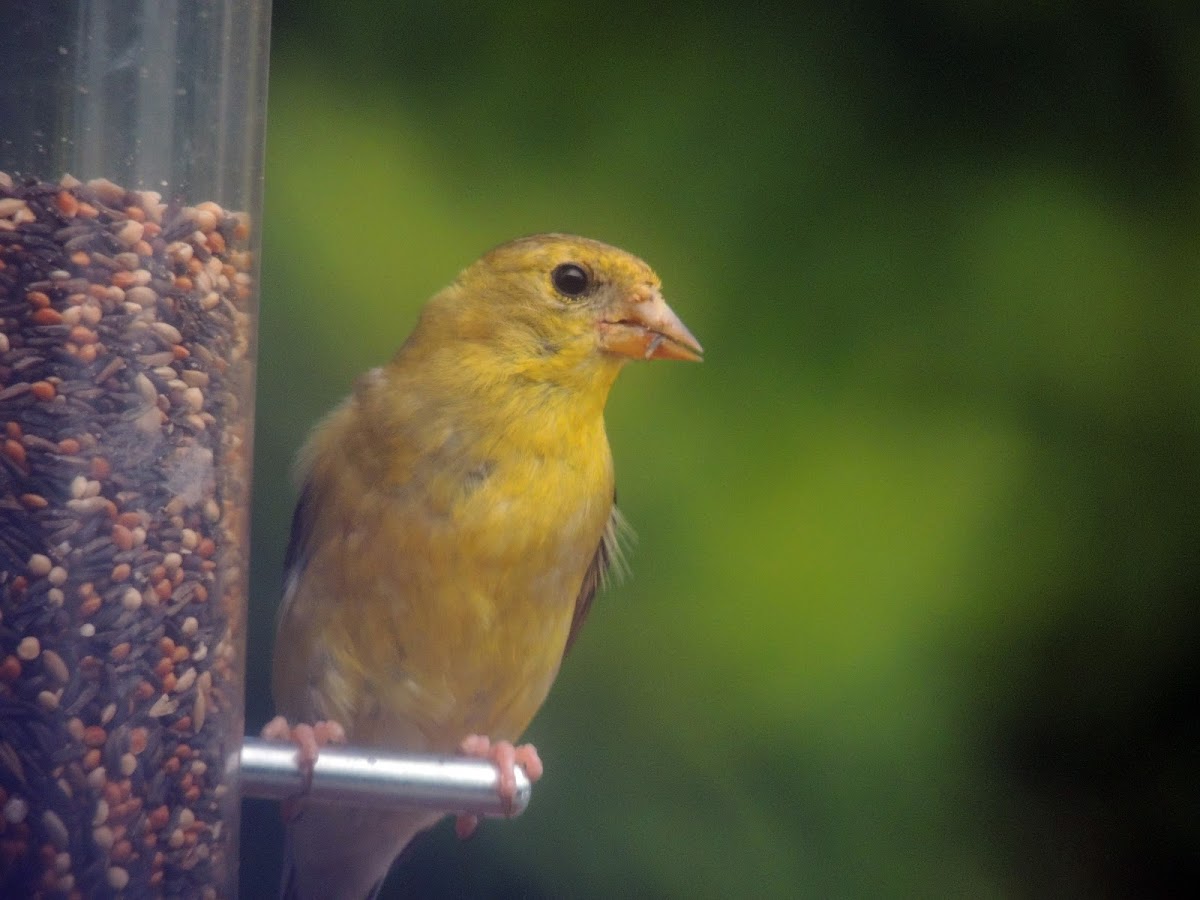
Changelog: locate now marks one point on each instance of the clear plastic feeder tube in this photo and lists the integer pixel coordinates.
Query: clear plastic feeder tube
(131, 144)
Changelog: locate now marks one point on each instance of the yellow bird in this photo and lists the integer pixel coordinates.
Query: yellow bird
(456, 518)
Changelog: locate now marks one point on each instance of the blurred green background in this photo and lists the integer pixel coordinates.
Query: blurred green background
(914, 605)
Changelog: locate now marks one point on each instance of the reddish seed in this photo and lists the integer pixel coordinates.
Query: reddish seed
(43, 390)
(137, 740)
(120, 652)
(14, 451)
(66, 203)
(121, 571)
(37, 299)
(122, 537)
(91, 759)
(159, 817)
(81, 259)
(69, 446)
(34, 501)
(13, 430)
(10, 669)
(46, 316)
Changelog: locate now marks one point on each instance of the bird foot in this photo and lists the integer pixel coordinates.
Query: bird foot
(505, 757)
(309, 739)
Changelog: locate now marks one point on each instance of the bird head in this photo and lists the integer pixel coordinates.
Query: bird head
(560, 308)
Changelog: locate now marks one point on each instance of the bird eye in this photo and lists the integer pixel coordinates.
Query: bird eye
(570, 279)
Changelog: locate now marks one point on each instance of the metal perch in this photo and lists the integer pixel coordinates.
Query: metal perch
(383, 781)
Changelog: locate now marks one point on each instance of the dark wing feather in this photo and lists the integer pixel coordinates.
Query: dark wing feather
(298, 550)
(608, 559)
(298, 539)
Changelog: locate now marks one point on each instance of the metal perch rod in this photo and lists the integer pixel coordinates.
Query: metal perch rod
(383, 781)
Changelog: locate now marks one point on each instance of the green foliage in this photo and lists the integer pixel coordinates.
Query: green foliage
(914, 608)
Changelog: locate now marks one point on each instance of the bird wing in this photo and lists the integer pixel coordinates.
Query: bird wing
(608, 560)
(296, 556)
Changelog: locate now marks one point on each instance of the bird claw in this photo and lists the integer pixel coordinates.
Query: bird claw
(505, 757)
(309, 739)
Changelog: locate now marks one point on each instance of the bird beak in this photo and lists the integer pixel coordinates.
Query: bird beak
(646, 328)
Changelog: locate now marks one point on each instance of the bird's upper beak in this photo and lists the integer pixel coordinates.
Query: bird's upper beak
(644, 327)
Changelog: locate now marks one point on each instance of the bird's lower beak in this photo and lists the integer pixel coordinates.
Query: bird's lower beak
(648, 329)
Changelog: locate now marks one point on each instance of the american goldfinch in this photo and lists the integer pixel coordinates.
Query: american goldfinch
(456, 517)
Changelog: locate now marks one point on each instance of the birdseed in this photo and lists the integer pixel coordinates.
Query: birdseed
(125, 381)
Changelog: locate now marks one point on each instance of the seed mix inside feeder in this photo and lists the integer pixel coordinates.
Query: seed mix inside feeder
(124, 466)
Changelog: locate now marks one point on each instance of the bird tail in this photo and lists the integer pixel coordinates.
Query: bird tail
(289, 887)
(344, 853)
